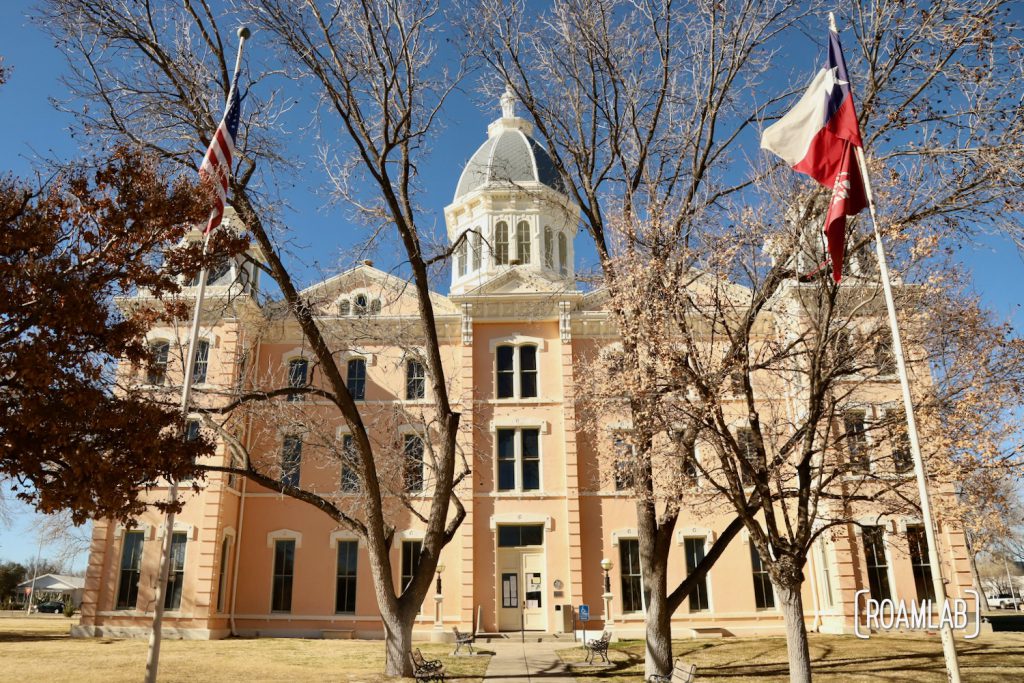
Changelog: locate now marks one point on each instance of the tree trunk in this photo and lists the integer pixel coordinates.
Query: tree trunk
(658, 653)
(398, 644)
(792, 605)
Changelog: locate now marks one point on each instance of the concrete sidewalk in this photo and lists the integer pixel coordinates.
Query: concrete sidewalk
(515, 662)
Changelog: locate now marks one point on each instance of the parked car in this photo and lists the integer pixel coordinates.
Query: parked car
(1005, 601)
(51, 607)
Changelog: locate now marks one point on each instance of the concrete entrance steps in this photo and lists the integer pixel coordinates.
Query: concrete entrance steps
(527, 636)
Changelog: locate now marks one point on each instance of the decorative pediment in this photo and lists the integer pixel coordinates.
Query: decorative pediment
(368, 291)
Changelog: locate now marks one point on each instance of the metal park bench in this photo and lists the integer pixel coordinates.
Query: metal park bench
(426, 669)
(463, 639)
(598, 647)
(682, 672)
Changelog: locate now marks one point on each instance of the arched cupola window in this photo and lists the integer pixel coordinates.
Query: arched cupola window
(501, 243)
(460, 257)
(563, 254)
(523, 242)
(475, 236)
(549, 248)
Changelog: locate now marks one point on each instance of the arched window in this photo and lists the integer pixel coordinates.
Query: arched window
(156, 373)
(360, 304)
(460, 258)
(375, 307)
(501, 243)
(356, 380)
(476, 249)
(563, 254)
(523, 242)
(549, 248)
(344, 307)
(298, 371)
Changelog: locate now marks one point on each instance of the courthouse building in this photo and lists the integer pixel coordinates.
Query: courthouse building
(541, 512)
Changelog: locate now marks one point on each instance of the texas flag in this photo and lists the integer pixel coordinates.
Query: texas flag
(817, 137)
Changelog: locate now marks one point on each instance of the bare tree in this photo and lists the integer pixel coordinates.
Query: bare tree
(157, 75)
(649, 109)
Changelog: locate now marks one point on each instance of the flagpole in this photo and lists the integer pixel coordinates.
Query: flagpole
(156, 633)
(948, 644)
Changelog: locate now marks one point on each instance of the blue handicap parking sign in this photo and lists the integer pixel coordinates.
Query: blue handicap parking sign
(584, 612)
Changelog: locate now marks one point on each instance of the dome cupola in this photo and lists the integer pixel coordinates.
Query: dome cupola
(511, 210)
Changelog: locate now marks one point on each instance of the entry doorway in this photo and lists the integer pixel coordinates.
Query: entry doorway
(520, 563)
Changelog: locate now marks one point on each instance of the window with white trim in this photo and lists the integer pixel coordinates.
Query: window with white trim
(202, 361)
(748, 451)
(345, 586)
(549, 248)
(919, 562)
(476, 249)
(764, 594)
(156, 371)
(413, 464)
(298, 371)
(131, 569)
(698, 598)
(349, 465)
(222, 573)
(501, 243)
(415, 380)
(625, 459)
(899, 442)
(356, 379)
(632, 576)
(410, 561)
(460, 258)
(523, 242)
(876, 561)
(563, 254)
(855, 422)
(284, 575)
(176, 575)
(517, 374)
(518, 459)
(291, 460)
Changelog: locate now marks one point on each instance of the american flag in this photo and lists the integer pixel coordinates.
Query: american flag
(217, 162)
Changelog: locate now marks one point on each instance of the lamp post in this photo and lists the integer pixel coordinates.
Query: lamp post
(438, 599)
(607, 565)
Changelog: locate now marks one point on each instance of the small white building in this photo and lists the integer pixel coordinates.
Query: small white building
(54, 587)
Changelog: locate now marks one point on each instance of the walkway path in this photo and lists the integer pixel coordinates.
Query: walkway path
(515, 662)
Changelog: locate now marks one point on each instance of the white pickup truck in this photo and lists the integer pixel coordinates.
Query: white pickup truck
(1004, 601)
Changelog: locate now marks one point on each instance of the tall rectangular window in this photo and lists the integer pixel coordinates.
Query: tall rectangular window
(826, 573)
(284, 573)
(518, 459)
(298, 370)
(202, 362)
(176, 576)
(156, 373)
(885, 359)
(506, 459)
(748, 451)
(899, 442)
(131, 569)
(632, 577)
(222, 574)
(413, 449)
(476, 249)
(764, 596)
(506, 371)
(530, 459)
(349, 465)
(856, 440)
(877, 564)
(356, 379)
(291, 460)
(528, 371)
(345, 593)
(549, 248)
(410, 561)
(415, 380)
(624, 454)
(694, 554)
(919, 560)
(461, 255)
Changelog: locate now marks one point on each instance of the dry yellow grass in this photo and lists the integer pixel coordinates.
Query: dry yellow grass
(41, 650)
(992, 657)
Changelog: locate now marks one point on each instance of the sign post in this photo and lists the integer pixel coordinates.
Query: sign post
(584, 618)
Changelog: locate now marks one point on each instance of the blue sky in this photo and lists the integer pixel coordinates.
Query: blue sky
(33, 129)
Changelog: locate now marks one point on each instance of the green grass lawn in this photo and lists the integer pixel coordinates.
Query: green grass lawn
(992, 657)
(41, 650)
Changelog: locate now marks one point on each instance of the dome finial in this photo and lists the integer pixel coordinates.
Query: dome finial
(508, 103)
